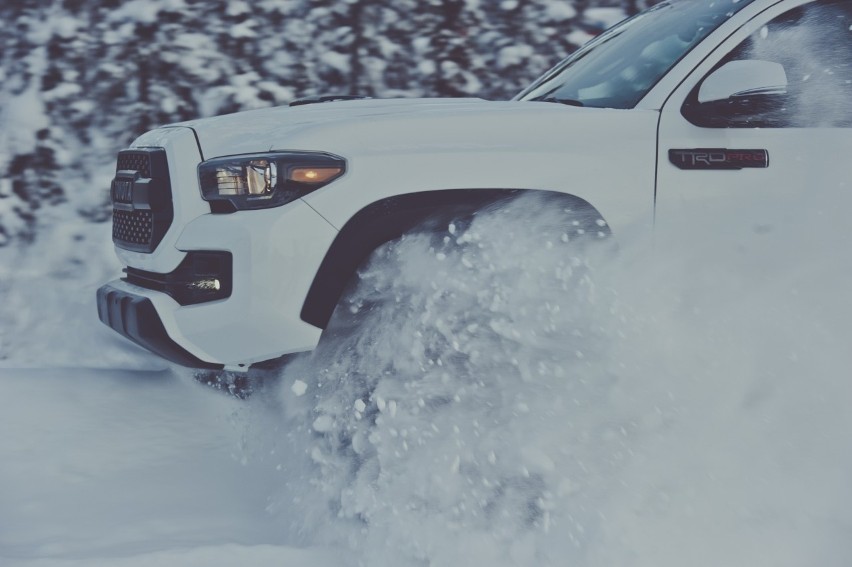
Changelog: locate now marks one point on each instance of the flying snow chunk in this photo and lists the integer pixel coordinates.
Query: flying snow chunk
(299, 388)
(323, 424)
(537, 460)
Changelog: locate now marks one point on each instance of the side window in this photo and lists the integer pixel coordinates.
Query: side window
(795, 72)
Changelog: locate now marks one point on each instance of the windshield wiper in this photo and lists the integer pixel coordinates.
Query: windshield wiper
(568, 101)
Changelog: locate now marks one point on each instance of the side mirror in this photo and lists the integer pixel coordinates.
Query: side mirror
(742, 78)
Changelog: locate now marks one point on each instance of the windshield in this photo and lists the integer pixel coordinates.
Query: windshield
(619, 67)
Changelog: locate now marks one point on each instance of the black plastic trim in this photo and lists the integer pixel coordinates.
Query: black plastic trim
(141, 195)
(386, 220)
(134, 317)
(324, 98)
(178, 284)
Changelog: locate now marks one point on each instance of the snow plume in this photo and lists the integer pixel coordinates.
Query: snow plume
(498, 394)
(444, 425)
(814, 44)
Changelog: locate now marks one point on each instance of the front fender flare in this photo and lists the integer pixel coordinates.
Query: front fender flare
(388, 219)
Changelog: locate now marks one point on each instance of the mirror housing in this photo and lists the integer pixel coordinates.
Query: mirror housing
(743, 78)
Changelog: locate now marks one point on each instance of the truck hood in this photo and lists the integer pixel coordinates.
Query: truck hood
(369, 126)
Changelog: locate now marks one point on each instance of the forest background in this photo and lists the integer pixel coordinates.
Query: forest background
(80, 79)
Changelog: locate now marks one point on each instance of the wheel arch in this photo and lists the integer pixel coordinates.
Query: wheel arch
(388, 219)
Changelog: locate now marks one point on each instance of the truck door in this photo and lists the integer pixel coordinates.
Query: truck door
(785, 129)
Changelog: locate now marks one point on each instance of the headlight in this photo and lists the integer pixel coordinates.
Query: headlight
(261, 181)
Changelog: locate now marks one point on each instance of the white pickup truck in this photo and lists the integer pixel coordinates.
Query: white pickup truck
(240, 232)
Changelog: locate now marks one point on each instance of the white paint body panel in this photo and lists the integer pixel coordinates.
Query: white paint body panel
(401, 146)
(610, 158)
(276, 254)
(801, 159)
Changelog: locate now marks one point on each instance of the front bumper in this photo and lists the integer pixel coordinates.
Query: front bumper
(275, 254)
(134, 317)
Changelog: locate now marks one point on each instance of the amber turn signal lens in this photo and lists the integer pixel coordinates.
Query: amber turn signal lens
(314, 174)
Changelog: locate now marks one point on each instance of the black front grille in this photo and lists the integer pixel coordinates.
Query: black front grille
(132, 227)
(141, 199)
(134, 161)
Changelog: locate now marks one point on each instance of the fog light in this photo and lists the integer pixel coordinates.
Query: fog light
(206, 285)
(202, 276)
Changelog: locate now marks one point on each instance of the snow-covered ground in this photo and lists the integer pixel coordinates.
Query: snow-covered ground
(505, 401)
(107, 456)
(118, 467)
